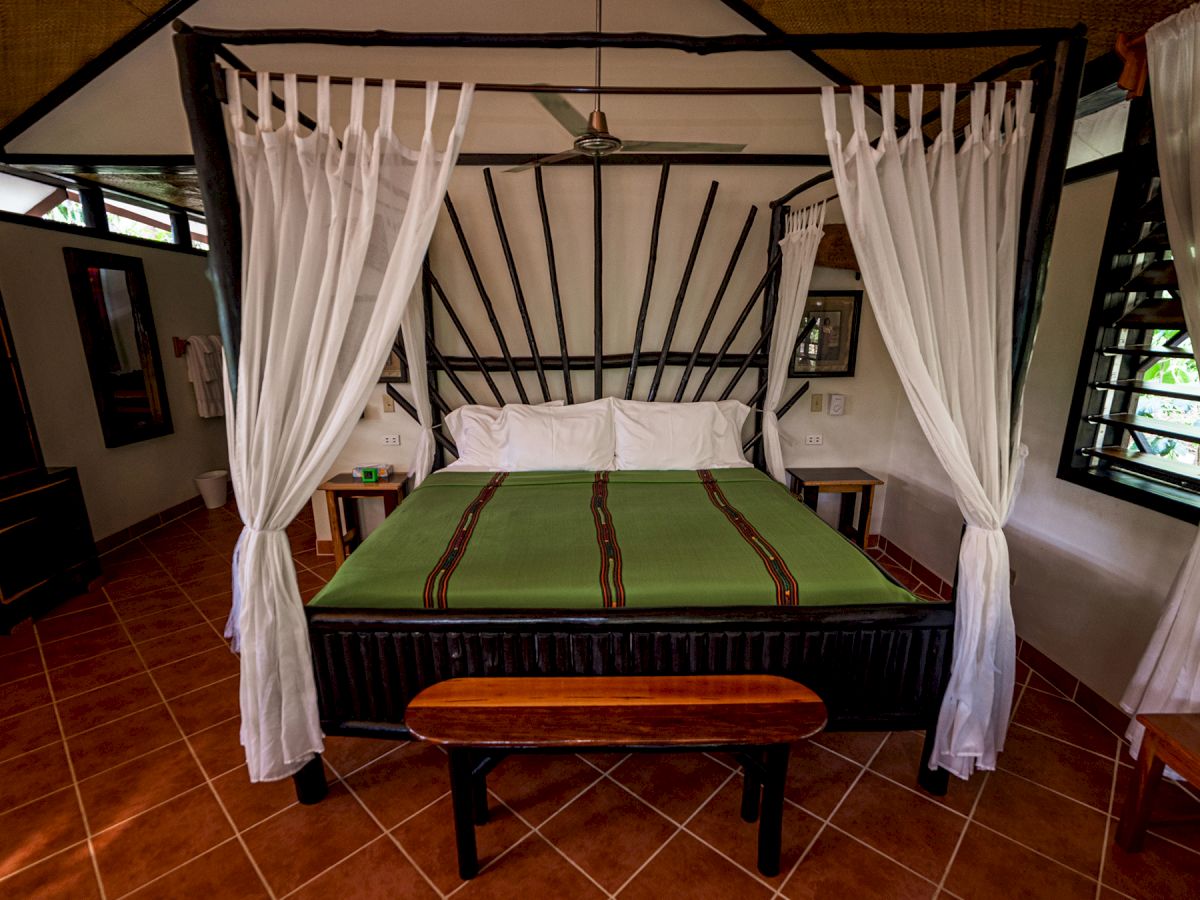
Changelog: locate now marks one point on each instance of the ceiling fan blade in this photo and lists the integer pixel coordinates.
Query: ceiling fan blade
(567, 115)
(679, 147)
(545, 160)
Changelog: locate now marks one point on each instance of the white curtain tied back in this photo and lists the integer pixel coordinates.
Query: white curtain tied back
(334, 229)
(802, 235)
(1168, 677)
(935, 232)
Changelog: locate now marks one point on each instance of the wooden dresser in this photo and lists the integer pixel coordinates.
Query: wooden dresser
(46, 549)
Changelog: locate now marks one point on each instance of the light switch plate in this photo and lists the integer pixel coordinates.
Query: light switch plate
(837, 404)
(818, 402)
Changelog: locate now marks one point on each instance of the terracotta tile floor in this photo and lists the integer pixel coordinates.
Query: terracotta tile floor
(123, 777)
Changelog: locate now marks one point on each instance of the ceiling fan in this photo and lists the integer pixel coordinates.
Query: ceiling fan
(592, 137)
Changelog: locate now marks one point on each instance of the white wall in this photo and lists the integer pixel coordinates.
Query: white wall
(1092, 571)
(122, 485)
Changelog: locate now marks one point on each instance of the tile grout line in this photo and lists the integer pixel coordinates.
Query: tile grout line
(829, 818)
(941, 883)
(682, 826)
(1112, 794)
(385, 832)
(537, 830)
(207, 781)
(87, 828)
(679, 828)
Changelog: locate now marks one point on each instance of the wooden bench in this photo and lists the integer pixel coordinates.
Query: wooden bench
(482, 720)
(1171, 739)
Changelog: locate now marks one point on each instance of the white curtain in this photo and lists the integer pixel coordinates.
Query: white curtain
(801, 237)
(935, 233)
(1168, 677)
(334, 229)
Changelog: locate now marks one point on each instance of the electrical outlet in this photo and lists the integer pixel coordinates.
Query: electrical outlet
(391, 440)
(837, 404)
(814, 439)
(818, 402)
(389, 403)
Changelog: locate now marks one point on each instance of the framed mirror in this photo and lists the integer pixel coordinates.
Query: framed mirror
(112, 305)
(831, 347)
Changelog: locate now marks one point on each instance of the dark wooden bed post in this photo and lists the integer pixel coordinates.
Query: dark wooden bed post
(202, 94)
(1056, 93)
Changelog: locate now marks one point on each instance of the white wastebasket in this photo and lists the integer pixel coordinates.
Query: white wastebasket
(213, 487)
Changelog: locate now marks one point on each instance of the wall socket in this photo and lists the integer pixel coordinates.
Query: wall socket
(391, 440)
(818, 403)
(814, 439)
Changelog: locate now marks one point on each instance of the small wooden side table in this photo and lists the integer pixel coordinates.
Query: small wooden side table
(1171, 739)
(852, 484)
(344, 526)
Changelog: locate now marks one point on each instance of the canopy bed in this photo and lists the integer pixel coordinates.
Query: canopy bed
(385, 629)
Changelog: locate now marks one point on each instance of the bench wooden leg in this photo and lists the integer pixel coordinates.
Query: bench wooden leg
(1139, 799)
(770, 826)
(463, 784)
(480, 796)
(310, 783)
(751, 784)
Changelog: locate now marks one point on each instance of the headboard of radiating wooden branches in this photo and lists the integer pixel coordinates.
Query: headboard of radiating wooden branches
(519, 372)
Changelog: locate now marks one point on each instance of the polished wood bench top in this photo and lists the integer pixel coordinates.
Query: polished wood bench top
(614, 711)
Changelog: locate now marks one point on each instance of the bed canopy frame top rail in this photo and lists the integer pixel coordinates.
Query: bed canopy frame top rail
(1056, 54)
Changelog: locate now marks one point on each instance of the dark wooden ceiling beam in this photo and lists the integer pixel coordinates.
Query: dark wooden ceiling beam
(93, 67)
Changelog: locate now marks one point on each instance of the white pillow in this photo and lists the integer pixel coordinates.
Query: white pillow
(704, 435)
(477, 433)
(546, 438)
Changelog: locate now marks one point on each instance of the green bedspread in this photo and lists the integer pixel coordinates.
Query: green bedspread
(725, 537)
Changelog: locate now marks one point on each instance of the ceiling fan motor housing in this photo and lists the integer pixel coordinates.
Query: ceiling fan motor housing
(596, 141)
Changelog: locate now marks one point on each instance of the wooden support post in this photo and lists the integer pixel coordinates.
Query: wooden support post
(684, 281)
(181, 229)
(487, 300)
(311, 786)
(519, 294)
(716, 303)
(1055, 99)
(651, 262)
(214, 168)
(548, 234)
(597, 279)
(91, 198)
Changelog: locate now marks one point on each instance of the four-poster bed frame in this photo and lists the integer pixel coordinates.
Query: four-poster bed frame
(876, 667)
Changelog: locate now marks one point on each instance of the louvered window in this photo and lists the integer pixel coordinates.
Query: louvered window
(1134, 430)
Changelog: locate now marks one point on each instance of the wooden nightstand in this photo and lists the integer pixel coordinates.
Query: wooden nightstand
(852, 484)
(344, 527)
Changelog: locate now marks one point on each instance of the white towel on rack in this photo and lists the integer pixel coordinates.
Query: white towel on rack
(204, 372)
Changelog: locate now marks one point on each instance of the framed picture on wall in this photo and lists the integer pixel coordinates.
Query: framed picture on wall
(394, 370)
(830, 348)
